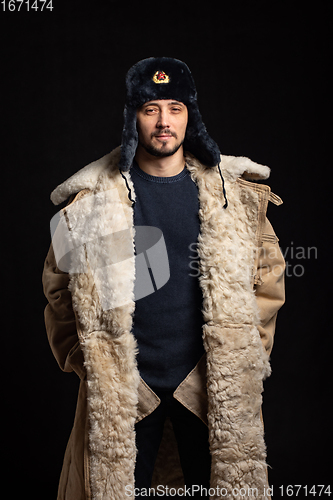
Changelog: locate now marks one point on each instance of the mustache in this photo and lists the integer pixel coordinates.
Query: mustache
(164, 132)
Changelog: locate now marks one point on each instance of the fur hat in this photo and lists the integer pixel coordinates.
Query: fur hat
(165, 78)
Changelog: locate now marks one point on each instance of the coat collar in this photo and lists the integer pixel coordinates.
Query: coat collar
(232, 167)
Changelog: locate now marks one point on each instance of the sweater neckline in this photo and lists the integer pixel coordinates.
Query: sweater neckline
(156, 179)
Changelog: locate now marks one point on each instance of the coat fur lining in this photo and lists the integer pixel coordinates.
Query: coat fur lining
(103, 301)
(236, 361)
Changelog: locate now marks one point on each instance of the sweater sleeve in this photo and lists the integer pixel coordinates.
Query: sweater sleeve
(60, 319)
(269, 284)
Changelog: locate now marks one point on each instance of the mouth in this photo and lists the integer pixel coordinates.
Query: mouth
(163, 137)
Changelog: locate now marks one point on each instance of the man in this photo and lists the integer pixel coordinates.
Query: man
(171, 375)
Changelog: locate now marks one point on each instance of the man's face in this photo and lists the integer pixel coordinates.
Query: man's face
(161, 126)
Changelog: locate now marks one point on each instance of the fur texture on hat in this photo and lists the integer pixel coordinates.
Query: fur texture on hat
(165, 78)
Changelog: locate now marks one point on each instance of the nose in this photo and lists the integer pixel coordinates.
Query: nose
(162, 121)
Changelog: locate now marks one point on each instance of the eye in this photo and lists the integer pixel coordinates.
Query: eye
(150, 111)
(176, 109)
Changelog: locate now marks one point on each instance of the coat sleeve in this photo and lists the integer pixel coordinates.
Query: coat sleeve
(60, 319)
(269, 284)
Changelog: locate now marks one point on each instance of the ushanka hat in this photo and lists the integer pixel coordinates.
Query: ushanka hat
(165, 78)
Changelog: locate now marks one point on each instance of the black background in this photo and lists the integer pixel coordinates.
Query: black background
(262, 74)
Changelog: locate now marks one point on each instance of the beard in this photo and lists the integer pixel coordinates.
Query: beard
(159, 152)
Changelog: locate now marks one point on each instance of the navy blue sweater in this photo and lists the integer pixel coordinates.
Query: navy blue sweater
(168, 323)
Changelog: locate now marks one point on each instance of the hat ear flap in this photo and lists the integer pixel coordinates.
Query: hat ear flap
(198, 141)
(129, 141)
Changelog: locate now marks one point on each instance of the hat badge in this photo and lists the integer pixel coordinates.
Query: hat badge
(161, 77)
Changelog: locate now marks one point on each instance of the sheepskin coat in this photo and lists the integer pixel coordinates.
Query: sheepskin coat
(89, 322)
